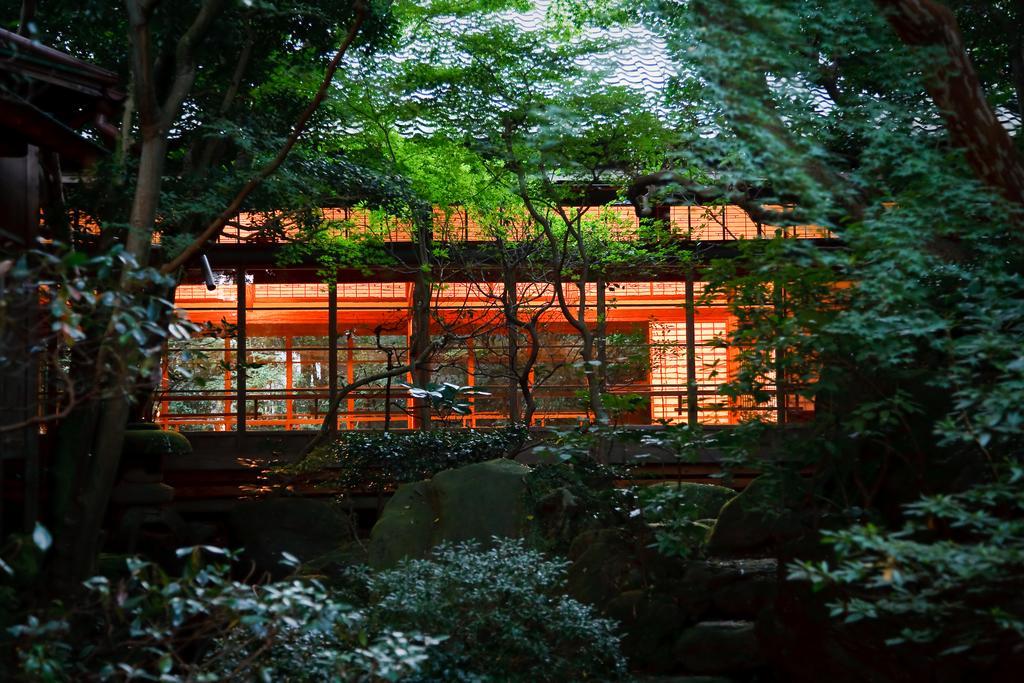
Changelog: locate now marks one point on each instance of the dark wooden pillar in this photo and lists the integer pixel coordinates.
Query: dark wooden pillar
(691, 350)
(19, 374)
(240, 352)
(779, 299)
(332, 349)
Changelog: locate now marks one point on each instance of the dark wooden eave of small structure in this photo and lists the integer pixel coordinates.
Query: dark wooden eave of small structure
(47, 96)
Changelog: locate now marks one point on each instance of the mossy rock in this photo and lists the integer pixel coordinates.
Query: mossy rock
(650, 623)
(144, 451)
(761, 518)
(689, 500)
(406, 525)
(143, 426)
(481, 500)
(474, 502)
(150, 442)
(605, 563)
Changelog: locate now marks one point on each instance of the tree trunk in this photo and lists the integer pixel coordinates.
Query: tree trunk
(80, 542)
(957, 91)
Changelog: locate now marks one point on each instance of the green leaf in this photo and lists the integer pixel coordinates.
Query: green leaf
(41, 537)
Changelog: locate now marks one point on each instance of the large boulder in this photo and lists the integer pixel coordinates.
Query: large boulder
(481, 500)
(684, 500)
(606, 563)
(304, 527)
(763, 517)
(406, 525)
(475, 502)
(650, 622)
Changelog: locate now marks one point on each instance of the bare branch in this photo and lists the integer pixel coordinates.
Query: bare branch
(214, 228)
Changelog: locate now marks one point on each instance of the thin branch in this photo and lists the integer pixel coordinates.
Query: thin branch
(215, 227)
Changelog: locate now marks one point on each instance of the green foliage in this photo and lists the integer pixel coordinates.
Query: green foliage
(204, 626)
(908, 339)
(446, 399)
(950, 577)
(502, 611)
(381, 460)
(82, 298)
(681, 514)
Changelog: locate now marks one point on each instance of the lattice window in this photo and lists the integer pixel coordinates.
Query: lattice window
(669, 376)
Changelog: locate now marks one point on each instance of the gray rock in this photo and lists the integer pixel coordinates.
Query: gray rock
(650, 623)
(405, 527)
(605, 563)
(735, 588)
(481, 500)
(475, 502)
(761, 518)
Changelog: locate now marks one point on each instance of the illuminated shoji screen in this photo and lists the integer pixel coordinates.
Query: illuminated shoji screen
(668, 371)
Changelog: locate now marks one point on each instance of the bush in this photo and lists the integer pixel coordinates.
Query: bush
(681, 514)
(502, 613)
(204, 626)
(951, 578)
(379, 460)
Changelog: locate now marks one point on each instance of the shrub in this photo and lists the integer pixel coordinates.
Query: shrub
(951, 578)
(502, 613)
(204, 626)
(681, 514)
(378, 460)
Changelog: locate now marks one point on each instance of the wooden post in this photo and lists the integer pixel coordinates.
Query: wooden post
(601, 330)
(350, 376)
(471, 382)
(332, 347)
(240, 352)
(227, 384)
(779, 299)
(691, 351)
(289, 411)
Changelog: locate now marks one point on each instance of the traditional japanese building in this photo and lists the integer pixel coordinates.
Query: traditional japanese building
(277, 343)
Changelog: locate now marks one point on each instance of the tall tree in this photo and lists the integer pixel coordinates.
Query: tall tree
(197, 125)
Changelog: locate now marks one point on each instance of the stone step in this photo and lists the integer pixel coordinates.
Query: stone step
(718, 647)
(735, 588)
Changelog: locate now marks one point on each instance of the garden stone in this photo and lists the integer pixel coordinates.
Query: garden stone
(145, 448)
(650, 622)
(734, 587)
(304, 527)
(760, 519)
(694, 501)
(146, 493)
(481, 500)
(405, 527)
(475, 502)
(718, 647)
(605, 563)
